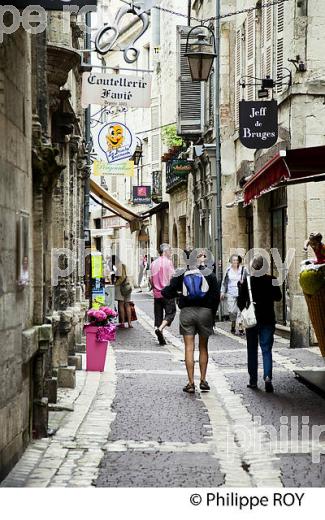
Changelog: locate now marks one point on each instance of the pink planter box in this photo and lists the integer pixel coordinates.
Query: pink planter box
(95, 351)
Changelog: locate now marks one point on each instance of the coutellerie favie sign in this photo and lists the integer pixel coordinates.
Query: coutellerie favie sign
(258, 123)
(116, 89)
(51, 5)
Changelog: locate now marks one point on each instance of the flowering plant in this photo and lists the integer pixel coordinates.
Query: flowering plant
(103, 319)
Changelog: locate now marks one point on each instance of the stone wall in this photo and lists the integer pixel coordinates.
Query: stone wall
(15, 196)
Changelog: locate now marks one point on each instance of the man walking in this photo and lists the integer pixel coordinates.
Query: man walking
(199, 300)
(162, 270)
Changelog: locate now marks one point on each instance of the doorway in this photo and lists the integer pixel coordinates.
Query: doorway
(278, 241)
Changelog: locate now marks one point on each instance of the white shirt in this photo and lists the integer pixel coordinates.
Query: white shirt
(233, 279)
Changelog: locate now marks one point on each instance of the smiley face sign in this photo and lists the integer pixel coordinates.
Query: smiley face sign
(115, 137)
(115, 142)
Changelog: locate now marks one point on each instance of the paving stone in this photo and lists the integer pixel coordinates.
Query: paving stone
(154, 469)
(67, 377)
(163, 413)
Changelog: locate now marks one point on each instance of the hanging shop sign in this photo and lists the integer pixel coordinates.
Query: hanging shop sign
(141, 194)
(258, 123)
(114, 89)
(115, 143)
(157, 186)
(124, 168)
(181, 167)
(53, 5)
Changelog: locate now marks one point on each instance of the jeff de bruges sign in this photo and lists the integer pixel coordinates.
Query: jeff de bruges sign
(258, 123)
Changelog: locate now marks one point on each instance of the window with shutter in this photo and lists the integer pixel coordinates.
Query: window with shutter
(238, 74)
(267, 42)
(190, 94)
(155, 121)
(250, 54)
(279, 45)
(155, 146)
(113, 185)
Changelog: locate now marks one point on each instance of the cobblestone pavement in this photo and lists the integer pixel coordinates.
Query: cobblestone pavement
(132, 426)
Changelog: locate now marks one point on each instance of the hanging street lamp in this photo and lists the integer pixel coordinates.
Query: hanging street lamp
(137, 153)
(200, 52)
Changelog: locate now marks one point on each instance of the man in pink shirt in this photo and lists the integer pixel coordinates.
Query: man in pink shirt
(162, 270)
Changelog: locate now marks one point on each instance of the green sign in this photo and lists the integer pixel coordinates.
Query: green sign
(181, 167)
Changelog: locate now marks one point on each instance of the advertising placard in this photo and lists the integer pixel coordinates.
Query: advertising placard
(124, 168)
(115, 89)
(141, 194)
(181, 167)
(115, 143)
(258, 123)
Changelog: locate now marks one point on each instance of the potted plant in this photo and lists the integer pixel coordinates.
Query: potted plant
(99, 330)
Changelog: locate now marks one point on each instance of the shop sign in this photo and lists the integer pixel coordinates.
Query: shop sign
(124, 168)
(141, 194)
(115, 89)
(53, 5)
(157, 186)
(115, 143)
(181, 167)
(258, 123)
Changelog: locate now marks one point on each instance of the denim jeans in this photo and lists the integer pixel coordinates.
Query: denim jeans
(265, 335)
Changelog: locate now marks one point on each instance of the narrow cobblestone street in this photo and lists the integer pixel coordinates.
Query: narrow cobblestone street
(132, 426)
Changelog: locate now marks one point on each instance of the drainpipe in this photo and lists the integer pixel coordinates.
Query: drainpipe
(218, 238)
(87, 131)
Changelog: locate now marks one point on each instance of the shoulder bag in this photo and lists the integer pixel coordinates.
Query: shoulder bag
(248, 314)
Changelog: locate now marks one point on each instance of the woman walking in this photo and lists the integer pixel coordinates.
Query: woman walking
(265, 291)
(123, 291)
(229, 290)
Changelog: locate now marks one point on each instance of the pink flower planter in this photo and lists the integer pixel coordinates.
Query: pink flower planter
(95, 350)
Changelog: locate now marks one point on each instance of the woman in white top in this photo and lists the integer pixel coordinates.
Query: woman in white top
(229, 289)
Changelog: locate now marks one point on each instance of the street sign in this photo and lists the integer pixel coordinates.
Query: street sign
(115, 89)
(258, 123)
(52, 5)
(141, 194)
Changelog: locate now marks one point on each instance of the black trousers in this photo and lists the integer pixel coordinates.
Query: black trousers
(164, 310)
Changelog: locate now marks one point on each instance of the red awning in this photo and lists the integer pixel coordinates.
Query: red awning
(287, 167)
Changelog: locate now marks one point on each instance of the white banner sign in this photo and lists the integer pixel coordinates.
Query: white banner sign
(114, 89)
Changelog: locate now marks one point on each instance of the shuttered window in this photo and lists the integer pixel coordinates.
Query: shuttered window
(190, 94)
(279, 45)
(113, 185)
(155, 148)
(238, 74)
(267, 42)
(250, 55)
(155, 113)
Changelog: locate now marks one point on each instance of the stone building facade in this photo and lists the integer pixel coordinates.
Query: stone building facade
(259, 43)
(43, 171)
